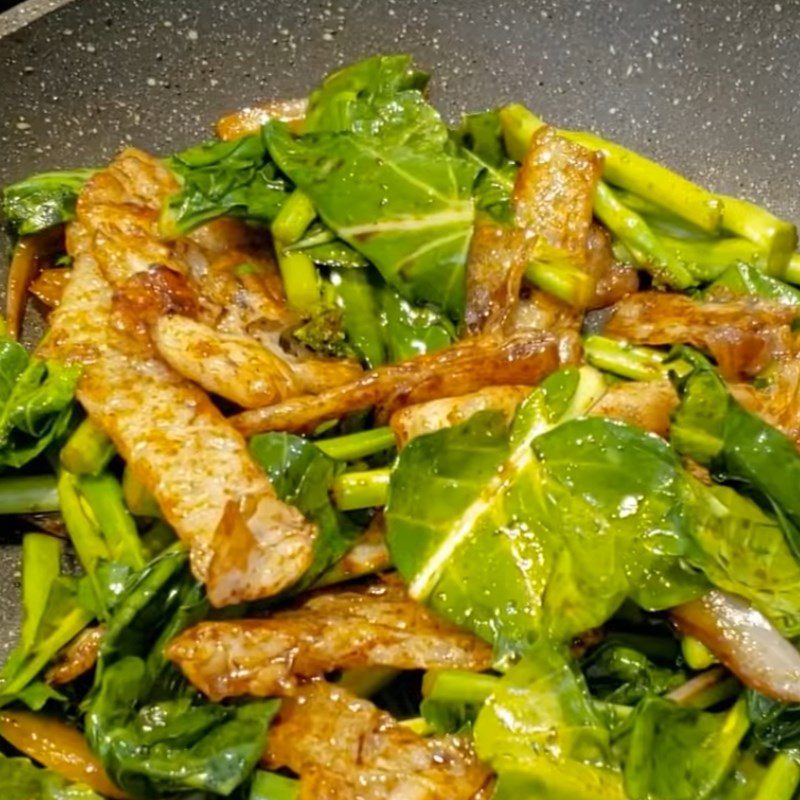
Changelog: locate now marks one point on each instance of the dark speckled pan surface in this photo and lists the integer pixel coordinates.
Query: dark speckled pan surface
(710, 88)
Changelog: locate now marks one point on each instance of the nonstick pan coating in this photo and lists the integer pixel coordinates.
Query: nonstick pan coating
(710, 88)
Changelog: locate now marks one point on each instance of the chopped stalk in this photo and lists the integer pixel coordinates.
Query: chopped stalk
(300, 281)
(88, 451)
(706, 689)
(781, 779)
(418, 725)
(792, 274)
(707, 260)
(41, 565)
(354, 490)
(562, 280)
(84, 531)
(624, 359)
(68, 628)
(637, 235)
(357, 445)
(367, 681)
(696, 654)
(272, 786)
(296, 214)
(104, 496)
(139, 500)
(299, 274)
(458, 686)
(776, 237)
(37, 494)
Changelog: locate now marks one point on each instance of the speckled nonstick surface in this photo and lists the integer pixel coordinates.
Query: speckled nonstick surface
(711, 88)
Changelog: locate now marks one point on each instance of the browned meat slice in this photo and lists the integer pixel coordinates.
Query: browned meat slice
(238, 368)
(554, 192)
(368, 556)
(413, 421)
(344, 748)
(250, 119)
(495, 264)
(742, 335)
(469, 365)
(647, 404)
(376, 625)
(245, 543)
(612, 280)
(78, 657)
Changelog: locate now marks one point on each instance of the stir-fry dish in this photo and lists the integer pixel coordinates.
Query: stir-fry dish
(366, 457)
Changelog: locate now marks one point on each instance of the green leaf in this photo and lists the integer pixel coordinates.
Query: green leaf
(377, 163)
(153, 733)
(711, 427)
(42, 201)
(302, 476)
(21, 780)
(36, 403)
(64, 617)
(542, 707)
(776, 725)
(481, 137)
(747, 279)
(619, 674)
(540, 732)
(382, 326)
(232, 179)
(679, 753)
(743, 550)
(520, 532)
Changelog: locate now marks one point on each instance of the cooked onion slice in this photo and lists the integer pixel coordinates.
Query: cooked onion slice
(745, 641)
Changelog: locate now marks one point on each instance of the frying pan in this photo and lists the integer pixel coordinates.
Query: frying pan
(711, 88)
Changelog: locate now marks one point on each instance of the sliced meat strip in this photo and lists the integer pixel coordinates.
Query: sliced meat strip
(612, 280)
(249, 120)
(742, 335)
(376, 625)
(522, 358)
(646, 404)
(554, 193)
(174, 439)
(495, 264)
(417, 420)
(77, 658)
(344, 748)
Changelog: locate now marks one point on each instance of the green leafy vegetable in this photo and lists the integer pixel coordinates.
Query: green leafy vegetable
(619, 674)
(681, 753)
(510, 531)
(776, 725)
(42, 201)
(745, 279)
(303, 476)
(21, 780)
(233, 179)
(377, 163)
(381, 325)
(36, 403)
(711, 427)
(153, 733)
(481, 137)
(540, 728)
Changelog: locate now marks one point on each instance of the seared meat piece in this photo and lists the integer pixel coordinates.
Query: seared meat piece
(554, 193)
(78, 657)
(522, 358)
(742, 335)
(413, 421)
(646, 404)
(344, 748)
(249, 120)
(495, 265)
(245, 543)
(377, 625)
(612, 280)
